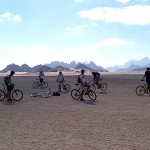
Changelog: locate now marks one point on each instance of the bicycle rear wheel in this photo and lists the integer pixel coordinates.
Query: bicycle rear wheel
(17, 95)
(66, 87)
(103, 86)
(140, 90)
(92, 95)
(35, 85)
(75, 94)
(2, 95)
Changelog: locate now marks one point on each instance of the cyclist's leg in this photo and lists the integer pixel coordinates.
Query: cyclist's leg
(59, 87)
(8, 94)
(82, 93)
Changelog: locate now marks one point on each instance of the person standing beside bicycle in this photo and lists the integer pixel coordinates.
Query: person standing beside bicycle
(81, 80)
(147, 76)
(10, 86)
(41, 77)
(60, 79)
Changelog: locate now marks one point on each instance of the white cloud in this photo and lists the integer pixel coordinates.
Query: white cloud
(9, 16)
(123, 1)
(77, 29)
(131, 15)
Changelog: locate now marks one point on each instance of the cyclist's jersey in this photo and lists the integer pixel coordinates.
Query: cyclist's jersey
(7, 80)
(60, 78)
(82, 78)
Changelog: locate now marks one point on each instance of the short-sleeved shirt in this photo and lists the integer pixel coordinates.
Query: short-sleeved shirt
(60, 78)
(82, 77)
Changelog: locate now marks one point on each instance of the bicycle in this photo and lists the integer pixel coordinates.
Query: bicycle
(142, 89)
(102, 86)
(38, 84)
(44, 94)
(16, 95)
(65, 87)
(76, 93)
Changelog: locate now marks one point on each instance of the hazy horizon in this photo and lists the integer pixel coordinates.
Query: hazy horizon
(39, 32)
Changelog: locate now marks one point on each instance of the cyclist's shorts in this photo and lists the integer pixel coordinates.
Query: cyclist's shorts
(10, 87)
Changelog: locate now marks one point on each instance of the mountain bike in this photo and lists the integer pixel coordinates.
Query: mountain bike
(38, 84)
(142, 89)
(16, 95)
(102, 86)
(76, 93)
(65, 87)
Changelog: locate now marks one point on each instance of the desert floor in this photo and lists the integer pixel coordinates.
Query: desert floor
(118, 120)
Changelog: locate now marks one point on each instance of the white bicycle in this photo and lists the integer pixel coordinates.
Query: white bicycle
(44, 94)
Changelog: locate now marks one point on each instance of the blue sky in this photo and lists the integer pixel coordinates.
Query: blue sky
(108, 32)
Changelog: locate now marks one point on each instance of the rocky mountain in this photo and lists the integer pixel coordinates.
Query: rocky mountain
(132, 65)
(53, 67)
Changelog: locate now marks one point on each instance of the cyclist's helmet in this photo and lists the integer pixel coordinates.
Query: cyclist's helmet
(12, 72)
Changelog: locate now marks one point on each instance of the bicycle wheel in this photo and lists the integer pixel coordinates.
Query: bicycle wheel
(103, 86)
(92, 95)
(2, 95)
(93, 87)
(35, 85)
(75, 94)
(66, 87)
(44, 85)
(140, 90)
(17, 95)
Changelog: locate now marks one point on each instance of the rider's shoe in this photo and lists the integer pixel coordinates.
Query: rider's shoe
(82, 99)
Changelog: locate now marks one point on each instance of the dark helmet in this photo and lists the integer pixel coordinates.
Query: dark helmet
(12, 72)
(60, 72)
(147, 68)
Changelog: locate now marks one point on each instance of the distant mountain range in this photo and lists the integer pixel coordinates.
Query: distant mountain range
(132, 65)
(54, 67)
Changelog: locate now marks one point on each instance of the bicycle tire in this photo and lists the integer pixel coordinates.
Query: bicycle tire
(44, 85)
(75, 94)
(93, 87)
(2, 95)
(103, 86)
(35, 85)
(17, 95)
(66, 87)
(140, 90)
(92, 95)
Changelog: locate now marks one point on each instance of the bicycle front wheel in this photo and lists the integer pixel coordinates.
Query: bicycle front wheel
(92, 95)
(67, 87)
(17, 95)
(2, 95)
(140, 90)
(75, 94)
(35, 85)
(103, 86)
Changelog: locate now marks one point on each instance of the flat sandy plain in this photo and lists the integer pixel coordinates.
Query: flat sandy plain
(118, 120)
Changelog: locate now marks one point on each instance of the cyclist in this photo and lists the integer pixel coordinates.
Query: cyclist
(147, 76)
(10, 86)
(60, 79)
(41, 75)
(96, 78)
(82, 83)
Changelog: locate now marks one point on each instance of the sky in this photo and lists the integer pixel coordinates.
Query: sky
(107, 32)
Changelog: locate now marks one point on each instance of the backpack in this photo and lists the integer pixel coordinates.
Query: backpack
(56, 94)
(97, 75)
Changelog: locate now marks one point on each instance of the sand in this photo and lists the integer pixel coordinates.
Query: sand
(118, 120)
